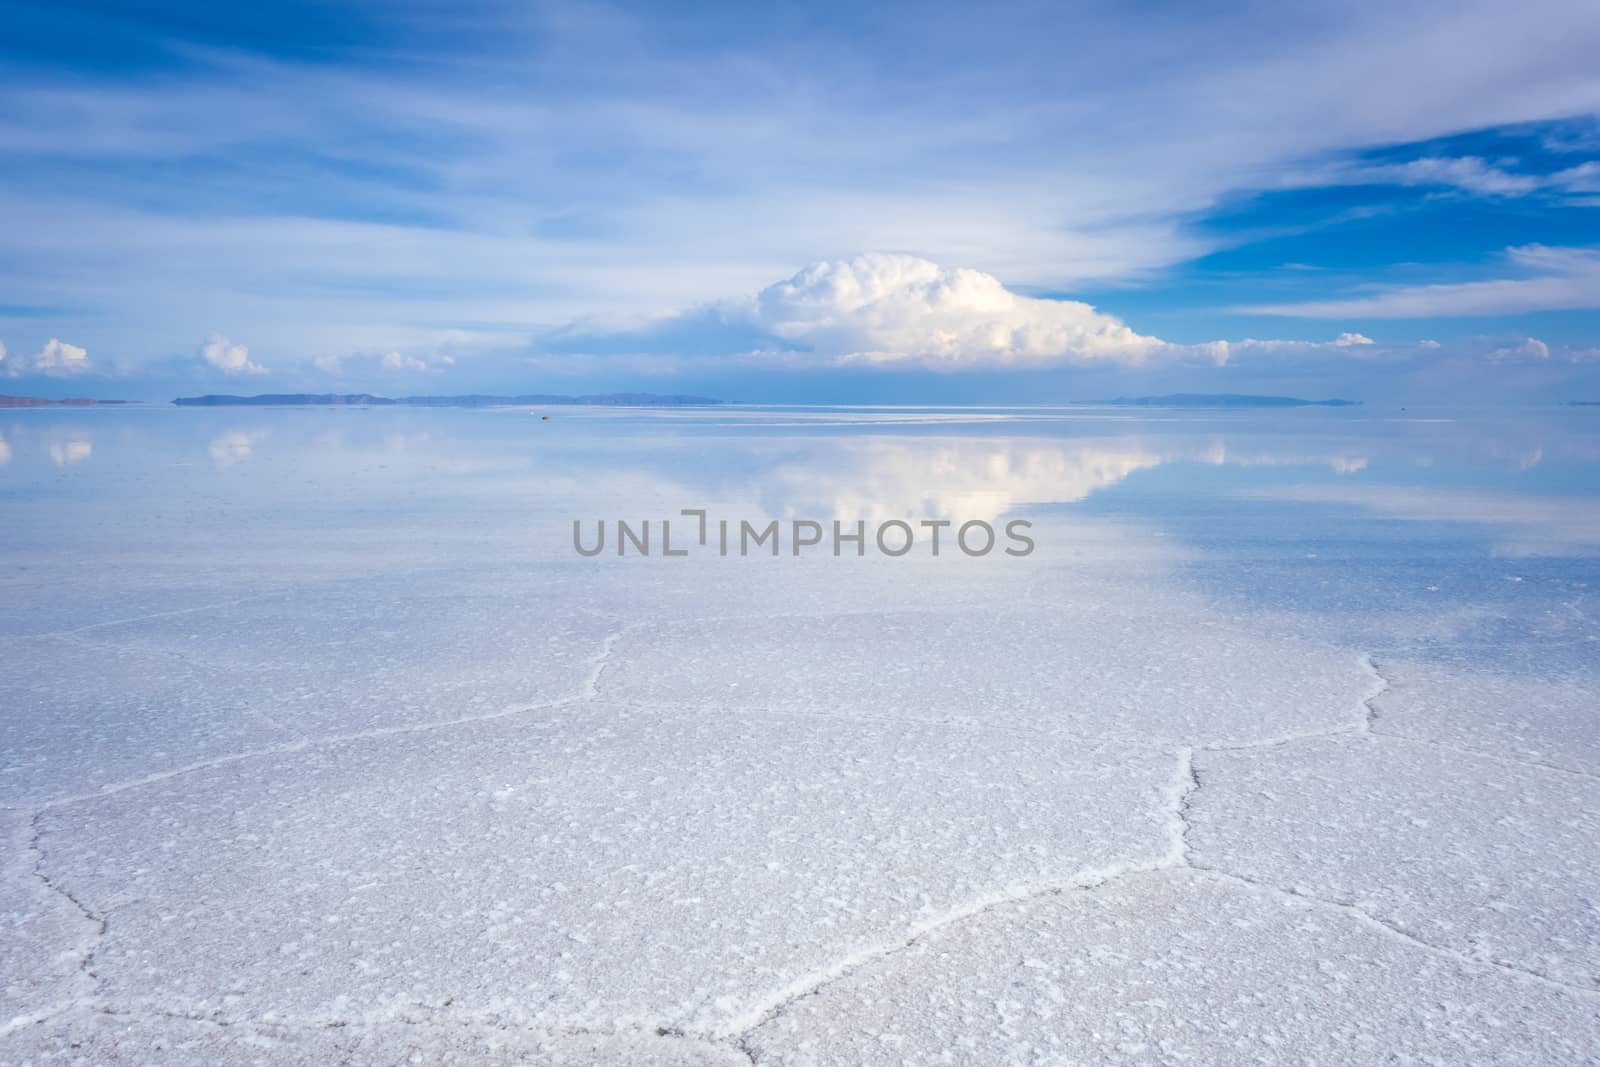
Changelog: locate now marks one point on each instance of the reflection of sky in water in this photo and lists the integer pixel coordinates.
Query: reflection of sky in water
(1485, 526)
(1511, 486)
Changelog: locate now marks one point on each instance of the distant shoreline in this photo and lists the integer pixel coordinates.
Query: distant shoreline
(45, 402)
(1227, 400)
(635, 400)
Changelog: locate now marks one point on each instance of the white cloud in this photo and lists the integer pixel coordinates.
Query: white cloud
(1500, 354)
(401, 361)
(885, 309)
(56, 359)
(1468, 173)
(228, 357)
(1584, 178)
(881, 308)
(1528, 348)
(1560, 279)
(1345, 345)
(343, 364)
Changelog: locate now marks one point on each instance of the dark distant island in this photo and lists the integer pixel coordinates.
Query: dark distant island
(44, 402)
(630, 400)
(1583, 403)
(1227, 400)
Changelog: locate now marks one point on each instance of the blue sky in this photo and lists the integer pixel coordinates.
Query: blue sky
(917, 203)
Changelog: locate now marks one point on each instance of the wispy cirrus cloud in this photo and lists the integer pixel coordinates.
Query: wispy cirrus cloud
(1550, 279)
(1467, 174)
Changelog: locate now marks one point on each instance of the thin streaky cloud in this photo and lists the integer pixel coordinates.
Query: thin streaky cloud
(1565, 278)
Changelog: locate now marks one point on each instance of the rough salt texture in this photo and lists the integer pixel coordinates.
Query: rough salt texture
(98, 707)
(1474, 855)
(44, 935)
(585, 866)
(1098, 670)
(83, 1038)
(1177, 967)
(1550, 720)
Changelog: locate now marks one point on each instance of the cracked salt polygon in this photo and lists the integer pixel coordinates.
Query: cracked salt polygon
(1180, 966)
(1475, 855)
(621, 817)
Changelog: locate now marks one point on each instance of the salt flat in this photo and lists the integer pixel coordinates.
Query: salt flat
(319, 743)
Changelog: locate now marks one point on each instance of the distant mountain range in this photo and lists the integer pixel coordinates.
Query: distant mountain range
(43, 402)
(1227, 400)
(631, 400)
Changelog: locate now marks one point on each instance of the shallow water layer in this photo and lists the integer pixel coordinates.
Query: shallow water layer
(320, 739)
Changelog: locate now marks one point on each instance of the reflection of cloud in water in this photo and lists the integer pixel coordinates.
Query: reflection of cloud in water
(76, 450)
(1523, 460)
(5, 451)
(965, 479)
(1218, 454)
(235, 446)
(983, 479)
(1538, 525)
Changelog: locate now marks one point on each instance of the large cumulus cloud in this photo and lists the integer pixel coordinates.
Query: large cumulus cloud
(903, 312)
(880, 308)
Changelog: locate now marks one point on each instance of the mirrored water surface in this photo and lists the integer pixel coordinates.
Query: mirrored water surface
(1335, 511)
